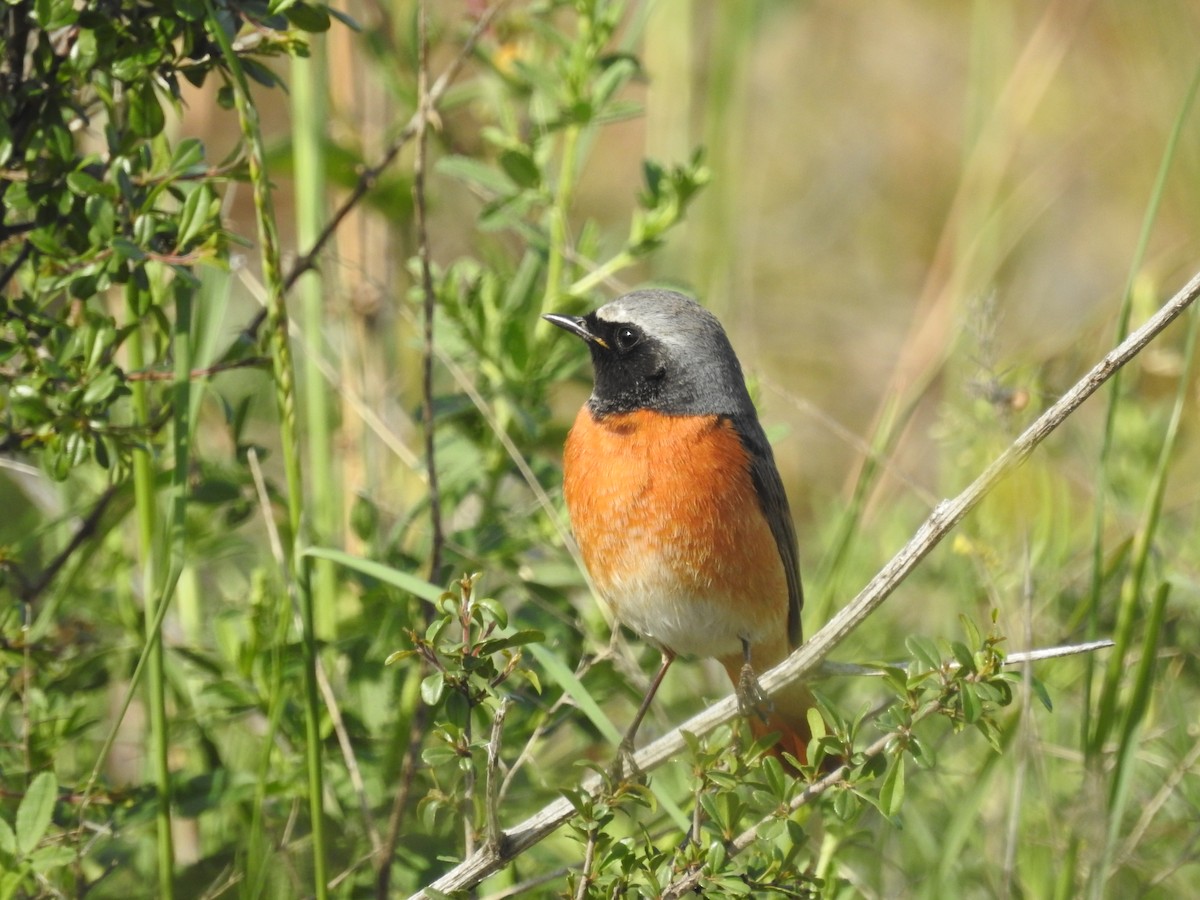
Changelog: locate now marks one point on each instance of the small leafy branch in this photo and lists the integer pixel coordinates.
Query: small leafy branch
(473, 654)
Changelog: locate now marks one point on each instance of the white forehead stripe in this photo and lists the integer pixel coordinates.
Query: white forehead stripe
(616, 311)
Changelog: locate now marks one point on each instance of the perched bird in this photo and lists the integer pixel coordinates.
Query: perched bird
(677, 505)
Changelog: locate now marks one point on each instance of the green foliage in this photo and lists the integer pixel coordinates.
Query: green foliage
(23, 857)
(174, 515)
(123, 206)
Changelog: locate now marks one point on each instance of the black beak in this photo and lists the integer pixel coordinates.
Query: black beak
(576, 326)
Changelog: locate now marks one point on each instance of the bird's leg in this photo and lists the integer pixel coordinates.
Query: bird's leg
(750, 694)
(625, 748)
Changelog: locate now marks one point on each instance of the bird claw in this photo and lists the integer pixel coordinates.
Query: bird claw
(625, 762)
(751, 697)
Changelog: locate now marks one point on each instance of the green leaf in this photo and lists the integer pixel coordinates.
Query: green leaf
(33, 815)
(386, 574)
(146, 117)
(308, 17)
(618, 71)
(816, 723)
(972, 708)
(54, 14)
(1039, 691)
(49, 858)
(260, 73)
(973, 636)
(85, 184)
(8, 840)
(963, 655)
(101, 219)
(194, 217)
(127, 249)
(495, 609)
(10, 883)
(891, 795)
(924, 651)
(432, 688)
(521, 168)
(101, 387)
(516, 639)
(188, 155)
(471, 171)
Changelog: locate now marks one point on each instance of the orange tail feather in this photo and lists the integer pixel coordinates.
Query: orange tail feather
(788, 716)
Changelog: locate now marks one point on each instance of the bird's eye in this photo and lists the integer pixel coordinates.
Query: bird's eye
(627, 337)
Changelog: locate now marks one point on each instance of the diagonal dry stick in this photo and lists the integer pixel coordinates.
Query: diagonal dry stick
(489, 859)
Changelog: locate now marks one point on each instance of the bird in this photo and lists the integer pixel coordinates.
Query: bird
(677, 505)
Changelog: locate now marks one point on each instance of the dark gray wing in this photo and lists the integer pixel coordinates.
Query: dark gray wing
(775, 507)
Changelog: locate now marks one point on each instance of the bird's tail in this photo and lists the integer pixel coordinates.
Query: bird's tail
(787, 715)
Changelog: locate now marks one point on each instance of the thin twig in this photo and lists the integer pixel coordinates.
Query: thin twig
(829, 669)
(346, 744)
(589, 859)
(429, 300)
(809, 656)
(524, 888)
(368, 177)
(492, 786)
(29, 593)
(249, 362)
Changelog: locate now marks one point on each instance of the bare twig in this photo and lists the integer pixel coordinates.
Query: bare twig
(807, 658)
(492, 800)
(346, 743)
(589, 859)
(368, 177)
(249, 362)
(30, 592)
(829, 669)
(523, 888)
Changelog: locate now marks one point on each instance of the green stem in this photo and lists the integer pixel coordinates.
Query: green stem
(597, 276)
(285, 397)
(145, 503)
(558, 219)
(1095, 733)
(308, 143)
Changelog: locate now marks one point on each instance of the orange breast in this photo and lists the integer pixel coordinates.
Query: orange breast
(672, 532)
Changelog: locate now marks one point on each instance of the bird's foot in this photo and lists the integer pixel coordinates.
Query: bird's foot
(624, 764)
(751, 697)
